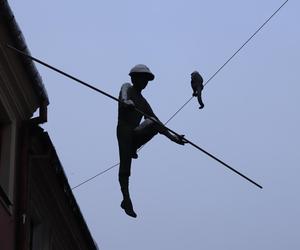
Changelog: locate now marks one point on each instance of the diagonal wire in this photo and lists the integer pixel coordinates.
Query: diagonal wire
(228, 60)
(245, 43)
(93, 177)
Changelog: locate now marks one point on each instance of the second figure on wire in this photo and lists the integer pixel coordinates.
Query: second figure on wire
(197, 86)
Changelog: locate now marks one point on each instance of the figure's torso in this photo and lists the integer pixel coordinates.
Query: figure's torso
(131, 117)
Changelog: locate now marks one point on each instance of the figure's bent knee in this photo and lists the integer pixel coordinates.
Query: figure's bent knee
(145, 128)
(149, 123)
(156, 127)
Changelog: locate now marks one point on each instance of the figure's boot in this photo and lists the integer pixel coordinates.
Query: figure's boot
(126, 204)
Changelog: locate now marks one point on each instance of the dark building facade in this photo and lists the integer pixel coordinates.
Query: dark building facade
(37, 208)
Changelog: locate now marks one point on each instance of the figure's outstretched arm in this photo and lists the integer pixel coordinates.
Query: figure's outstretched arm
(162, 129)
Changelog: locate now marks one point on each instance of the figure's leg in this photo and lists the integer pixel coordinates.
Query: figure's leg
(126, 203)
(199, 96)
(144, 133)
(125, 149)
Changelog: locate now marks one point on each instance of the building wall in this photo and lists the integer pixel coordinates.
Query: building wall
(6, 230)
(18, 102)
(37, 208)
(17, 105)
(7, 225)
(55, 215)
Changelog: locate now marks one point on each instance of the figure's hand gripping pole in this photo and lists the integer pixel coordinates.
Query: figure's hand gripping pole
(116, 99)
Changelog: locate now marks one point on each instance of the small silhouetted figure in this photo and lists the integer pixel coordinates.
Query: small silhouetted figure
(131, 133)
(197, 86)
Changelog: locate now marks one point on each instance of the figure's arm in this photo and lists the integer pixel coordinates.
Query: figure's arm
(149, 113)
(125, 97)
(163, 130)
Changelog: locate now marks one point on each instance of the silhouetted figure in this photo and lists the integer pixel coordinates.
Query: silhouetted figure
(197, 86)
(130, 132)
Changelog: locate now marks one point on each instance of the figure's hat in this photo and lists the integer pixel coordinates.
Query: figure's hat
(142, 69)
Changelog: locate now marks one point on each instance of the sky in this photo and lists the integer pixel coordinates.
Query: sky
(183, 198)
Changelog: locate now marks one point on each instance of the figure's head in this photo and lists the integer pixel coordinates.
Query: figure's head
(140, 75)
(195, 76)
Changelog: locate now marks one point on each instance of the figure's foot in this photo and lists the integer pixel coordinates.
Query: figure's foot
(195, 94)
(202, 106)
(128, 208)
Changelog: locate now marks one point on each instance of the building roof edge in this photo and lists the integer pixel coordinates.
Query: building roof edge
(19, 42)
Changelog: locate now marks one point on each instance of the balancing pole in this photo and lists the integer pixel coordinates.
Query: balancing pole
(140, 111)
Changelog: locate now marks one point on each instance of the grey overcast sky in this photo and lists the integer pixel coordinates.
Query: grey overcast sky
(184, 199)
